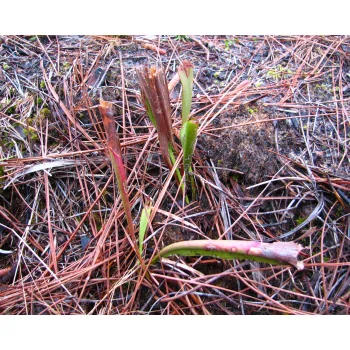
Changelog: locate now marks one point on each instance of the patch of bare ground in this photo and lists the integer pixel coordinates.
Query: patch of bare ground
(271, 164)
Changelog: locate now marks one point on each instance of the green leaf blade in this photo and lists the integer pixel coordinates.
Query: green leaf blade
(144, 221)
(188, 136)
(186, 76)
(271, 253)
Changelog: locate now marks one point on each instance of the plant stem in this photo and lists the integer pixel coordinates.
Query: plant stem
(155, 98)
(178, 174)
(188, 136)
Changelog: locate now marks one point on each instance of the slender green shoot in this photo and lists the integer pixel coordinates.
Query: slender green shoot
(144, 222)
(188, 132)
(271, 253)
(177, 172)
(188, 136)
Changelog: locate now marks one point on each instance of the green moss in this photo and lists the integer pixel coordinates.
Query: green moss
(323, 88)
(45, 113)
(30, 121)
(5, 66)
(98, 221)
(299, 220)
(228, 44)
(9, 144)
(66, 66)
(39, 101)
(183, 38)
(42, 84)
(11, 110)
(31, 134)
(217, 74)
(279, 72)
(252, 110)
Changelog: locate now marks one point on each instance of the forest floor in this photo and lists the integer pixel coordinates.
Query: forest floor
(271, 164)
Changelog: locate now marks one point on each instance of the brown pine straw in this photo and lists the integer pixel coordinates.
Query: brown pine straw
(64, 247)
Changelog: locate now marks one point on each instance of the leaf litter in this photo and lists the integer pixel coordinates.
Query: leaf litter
(271, 165)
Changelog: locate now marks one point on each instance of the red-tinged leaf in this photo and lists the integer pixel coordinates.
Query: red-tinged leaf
(272, 253)
(113, 143)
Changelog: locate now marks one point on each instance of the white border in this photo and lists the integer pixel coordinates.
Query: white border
(253, 17)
